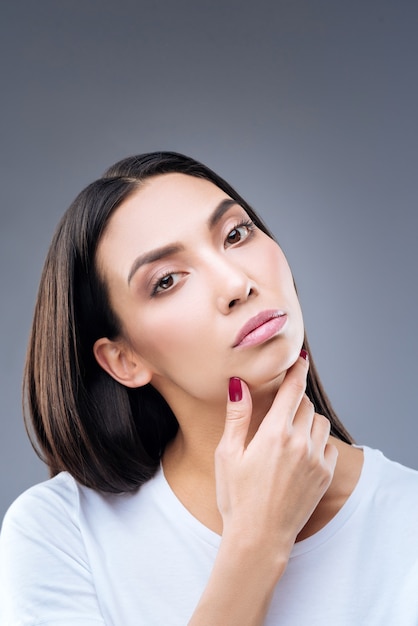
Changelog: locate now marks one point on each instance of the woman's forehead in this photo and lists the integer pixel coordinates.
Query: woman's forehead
(174, 191)
(164, 200)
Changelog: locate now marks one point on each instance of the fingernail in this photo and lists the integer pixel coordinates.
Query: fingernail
(235, 389)
(304, 355)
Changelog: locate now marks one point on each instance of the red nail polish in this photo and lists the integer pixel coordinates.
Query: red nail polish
(304, 355)
(235, 389)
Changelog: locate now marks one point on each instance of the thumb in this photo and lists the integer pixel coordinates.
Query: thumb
(238, 412)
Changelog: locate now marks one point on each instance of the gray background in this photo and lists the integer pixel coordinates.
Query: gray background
(308, 107)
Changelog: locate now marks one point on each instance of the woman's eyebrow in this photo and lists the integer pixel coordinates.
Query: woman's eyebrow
(153, 255)
(174, 248)
(220, 210)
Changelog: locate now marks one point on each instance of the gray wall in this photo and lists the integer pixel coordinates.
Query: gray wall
(309, 107)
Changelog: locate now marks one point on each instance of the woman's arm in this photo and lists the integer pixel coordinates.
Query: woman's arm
(266, 491)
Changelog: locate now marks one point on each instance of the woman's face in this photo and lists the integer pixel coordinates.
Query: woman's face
(202, 294)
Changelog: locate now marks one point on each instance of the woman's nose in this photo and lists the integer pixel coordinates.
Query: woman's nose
(234, 287)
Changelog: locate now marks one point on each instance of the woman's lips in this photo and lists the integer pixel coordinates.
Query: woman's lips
(260, 328)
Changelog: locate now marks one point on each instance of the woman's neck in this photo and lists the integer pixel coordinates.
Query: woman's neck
(200, 429)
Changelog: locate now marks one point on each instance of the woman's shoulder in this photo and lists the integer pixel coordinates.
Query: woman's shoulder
(393, 481)
(53, 498)
(390, 468)
(62, 502)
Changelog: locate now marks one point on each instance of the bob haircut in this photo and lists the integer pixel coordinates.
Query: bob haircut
(107, 436)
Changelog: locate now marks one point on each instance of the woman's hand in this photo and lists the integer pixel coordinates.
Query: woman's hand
(266, 492)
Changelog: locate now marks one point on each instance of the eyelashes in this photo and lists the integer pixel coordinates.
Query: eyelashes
(243, 229)
(165, 282)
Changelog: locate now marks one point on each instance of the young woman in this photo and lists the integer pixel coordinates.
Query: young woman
(199, 474)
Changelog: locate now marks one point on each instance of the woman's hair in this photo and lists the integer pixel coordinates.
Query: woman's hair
(108, 436)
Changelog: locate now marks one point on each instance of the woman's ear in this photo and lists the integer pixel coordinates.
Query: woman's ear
(120, 362)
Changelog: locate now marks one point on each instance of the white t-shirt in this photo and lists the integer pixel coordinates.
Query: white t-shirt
(70, 556)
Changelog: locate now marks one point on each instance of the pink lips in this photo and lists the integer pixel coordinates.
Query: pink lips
(260, 328)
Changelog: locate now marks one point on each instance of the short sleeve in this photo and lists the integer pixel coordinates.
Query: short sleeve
(45, 577)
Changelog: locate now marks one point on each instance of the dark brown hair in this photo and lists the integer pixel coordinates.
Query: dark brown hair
(109, 437)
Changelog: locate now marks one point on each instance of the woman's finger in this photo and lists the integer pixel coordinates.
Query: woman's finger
(289, 396)
(238, 415)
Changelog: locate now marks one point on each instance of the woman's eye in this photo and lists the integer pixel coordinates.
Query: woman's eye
(165, 283)
(239, 233)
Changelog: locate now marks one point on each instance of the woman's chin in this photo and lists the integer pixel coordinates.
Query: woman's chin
(271, 376)
(261, 387)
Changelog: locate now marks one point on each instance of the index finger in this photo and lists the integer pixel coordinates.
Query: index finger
(290, 393)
